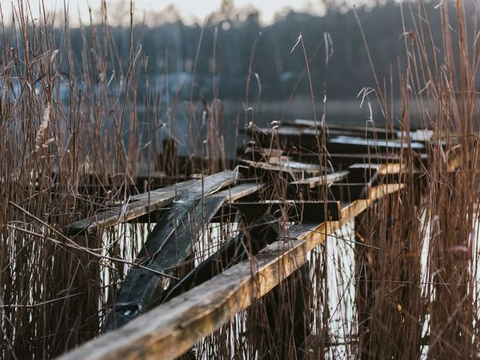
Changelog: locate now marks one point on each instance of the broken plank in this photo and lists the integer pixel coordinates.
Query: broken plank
(171, 329)
(231, 194)
(237, 192)
(145, 205)
(261, 233)
(167, 247)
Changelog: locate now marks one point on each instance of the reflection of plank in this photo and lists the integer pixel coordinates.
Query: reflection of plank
(168, 246)
(171, 329)
(139, 206)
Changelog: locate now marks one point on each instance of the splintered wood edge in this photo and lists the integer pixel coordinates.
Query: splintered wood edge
(173, 328)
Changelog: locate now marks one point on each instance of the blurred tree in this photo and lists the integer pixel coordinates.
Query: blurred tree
(171, 46)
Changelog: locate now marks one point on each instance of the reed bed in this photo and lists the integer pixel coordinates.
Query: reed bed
(73, 131)
(50, 147)
(419, 297)
(399, 282)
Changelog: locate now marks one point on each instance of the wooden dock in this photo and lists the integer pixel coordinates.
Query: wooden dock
(295, 186)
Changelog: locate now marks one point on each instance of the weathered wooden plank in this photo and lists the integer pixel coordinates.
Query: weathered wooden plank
(171, 329)
(136, 206)
(257, 153)
(360, 131)
(391, 168)
(141, 206)
(286, 165)
(321, 180)
(375, 174)
(178, 187)
(240, 191)
(287, 169)
(339, 129)
(384, 169)
(344, 160)
(358, 144)
(231, 194)
(306, 128)
(337, 141)
(168, 246)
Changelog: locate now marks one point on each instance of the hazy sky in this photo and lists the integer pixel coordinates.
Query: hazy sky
(188, 8)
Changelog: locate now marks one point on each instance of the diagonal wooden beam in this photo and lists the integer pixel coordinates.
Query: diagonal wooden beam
(168, 246)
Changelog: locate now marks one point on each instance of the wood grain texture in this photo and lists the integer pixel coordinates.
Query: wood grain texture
(167, 247)
(322, 180)
(140, 205)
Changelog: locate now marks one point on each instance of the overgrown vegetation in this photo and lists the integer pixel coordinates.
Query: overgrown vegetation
(81, 120)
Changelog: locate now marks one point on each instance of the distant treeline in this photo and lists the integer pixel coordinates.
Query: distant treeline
(339, 63)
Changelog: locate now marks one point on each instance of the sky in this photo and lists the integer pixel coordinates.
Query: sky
(189, 9)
